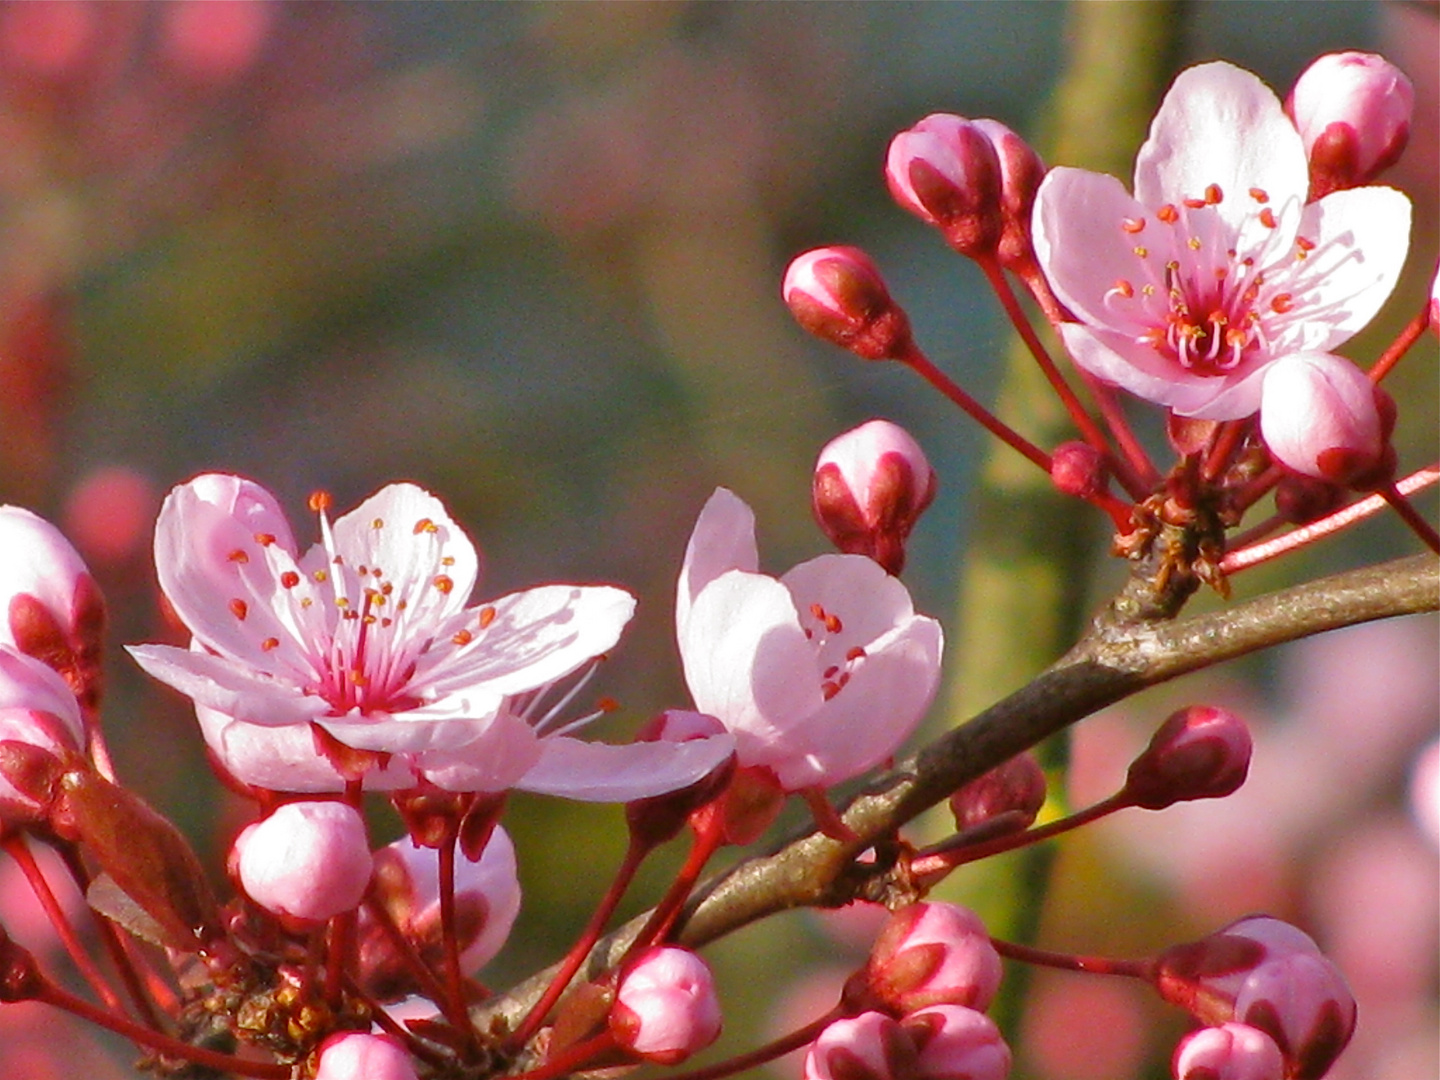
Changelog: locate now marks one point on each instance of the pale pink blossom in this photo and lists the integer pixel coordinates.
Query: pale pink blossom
(306, 861)
(821, 674)
(957, 1043)
(370, 636)
(1352, 110)
(871, 485)
(356, 1055)
(1228, 1052)
(666, 1007)
(933, 953)
(1185, 292)
(1319, 416)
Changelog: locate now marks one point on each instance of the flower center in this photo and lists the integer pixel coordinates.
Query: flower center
(824, 635)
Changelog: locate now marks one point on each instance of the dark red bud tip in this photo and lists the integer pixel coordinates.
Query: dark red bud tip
(945, 170)
(1200, 752)
(1015, 787)
(1078, 469)
(1302, 499)
(837, 294)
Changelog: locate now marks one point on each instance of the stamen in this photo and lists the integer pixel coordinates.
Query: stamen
(320, 501)
(443, 583)
(269, 644)
(1195, 204)
(238, 556)
(487, 616)
(1132, 225)
(1213, 194)
(1142, 252)
(239, 608)
(1260, 195)
(1280, 303)
(425, 525)
(463, 637)
(289, 579)
(1267, 218)
(1168, 213)
(264, 539)
(378, 523)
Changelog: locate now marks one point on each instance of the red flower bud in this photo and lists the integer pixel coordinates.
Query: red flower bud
(871, 485)
(1200, 752)
(837, 294)
(1078, 469)
(870, 1046)
(932, 953)
(945, 171)
(1015, 787)
(1021, 171)
(1352, 110)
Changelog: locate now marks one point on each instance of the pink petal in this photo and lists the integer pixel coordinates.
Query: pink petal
(723, 539)
(411, 732)
(1221, 125)
(232, 688)
(869, 601)
(496, 761)
(601, 772)
(284, 758)
(30, 684)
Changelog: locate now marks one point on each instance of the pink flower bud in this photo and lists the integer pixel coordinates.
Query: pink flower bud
(407, 884)
(1268, 974)
(871, 1046)
(666, 1008)
(871, 485)
(1014, 787)
(50, 606)
(954, 1041)
(1319, 416)
(356, 1055)
(306, 861)
(1078, 469)
(1352, 110)
(39, 715)
(837, 294)
(1021, 171)
(932, 953)
(945, 171)
(1228, 1052)
(1199, 752)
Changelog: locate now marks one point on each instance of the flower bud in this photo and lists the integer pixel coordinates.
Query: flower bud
(307, 861)
(1228, 1052)
(1014, 787)
(1265, 973)
(1078, 469)
(1302, 499)
(932, 953)
(945, 171)
(837, 294)
(665, 1007)
(871, 1046)
(40, 721)
(1021, 171)
(1319, 417)
(357, 1055)
(1200, 752)
(407, 885)
(1352, 110)
(50, 606)
(871, 485)
(953, 1041)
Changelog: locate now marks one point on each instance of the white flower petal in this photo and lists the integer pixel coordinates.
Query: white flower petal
(285, 758)
(723, 539)
(601, 772)
(227, 686)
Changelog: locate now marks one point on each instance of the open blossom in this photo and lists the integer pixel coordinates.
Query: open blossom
(819, 674)
(370, 636)
(1216, 267)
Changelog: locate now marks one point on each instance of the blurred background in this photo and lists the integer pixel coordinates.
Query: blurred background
(528, 256)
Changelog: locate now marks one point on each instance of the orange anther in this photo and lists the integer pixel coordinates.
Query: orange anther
(1281, 303)
(289, 579)
(443, 583)
(239, 608)
(264, 539)
(608, 705)
(320, 501)
(238, 556)
(378, 523)
(1195, 204)
(1132, 225)
(425, 525)
(487, 616)
(1168, 214)
(1260, 195)
(1267, 218)
(463, 637)
(1213, 194)
(269, 643)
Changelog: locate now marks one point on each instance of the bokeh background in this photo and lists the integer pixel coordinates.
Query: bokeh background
(528, 256)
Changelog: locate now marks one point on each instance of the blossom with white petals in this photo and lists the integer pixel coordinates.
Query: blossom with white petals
(369, 635)
(1186, 292)
(820, 674)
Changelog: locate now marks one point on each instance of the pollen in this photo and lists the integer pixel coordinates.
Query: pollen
(289, 579)
(1168, 214)
(463, 637)
(358, 678)
(238, 556)
(264, 539)
(269, 644)
(320, 501)
(1132, 225)
(833, 624)
(1195, 204)
(425, 525)
(443, 583)
(239, 608)
(1281, 303)
(1267, 218)
(378, 523)
(1260, 195)
(487, 616)
(448, 560)
(1193, 243)
(1213, 194)
(1143, 252)
(321, 575)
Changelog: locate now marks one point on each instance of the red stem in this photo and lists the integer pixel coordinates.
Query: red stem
(571, 1059)
(1227, 439)
(706, 843)
(634, 856)
(1401, 345)
(429, 984)
(1135, 471)
(1255, 554)
(1093, 965)
(1408, 514)
(454, 989)
(769, 1052)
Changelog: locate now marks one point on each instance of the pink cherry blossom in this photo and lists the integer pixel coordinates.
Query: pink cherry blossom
(307, 860)
(355, 1055)
(370, 636)
(820, 674)
(1228, 1052)
(1352, 110)
(666, 1007)
(1185, 292)
(933, 953)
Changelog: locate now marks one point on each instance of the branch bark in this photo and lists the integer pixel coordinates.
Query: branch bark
(1116, 658)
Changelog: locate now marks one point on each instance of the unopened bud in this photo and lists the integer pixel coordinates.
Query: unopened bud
(932, 953)
(870, 1046)
(1319, 416)
(666, 1007)
(1015, 787)
(1078, 469)
(1228, 1052)
(1021, 171)
(358, 1055)
(871, 485)
(953, 1041)
(1199, 752)
(1270, 975)
(40, 726)
(50, 606)
(307, 861)
(1302, 499)
(945, 171)
(1352, 110)
(837, 294)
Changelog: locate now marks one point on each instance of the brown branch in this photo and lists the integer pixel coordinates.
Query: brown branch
(1118, 657)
